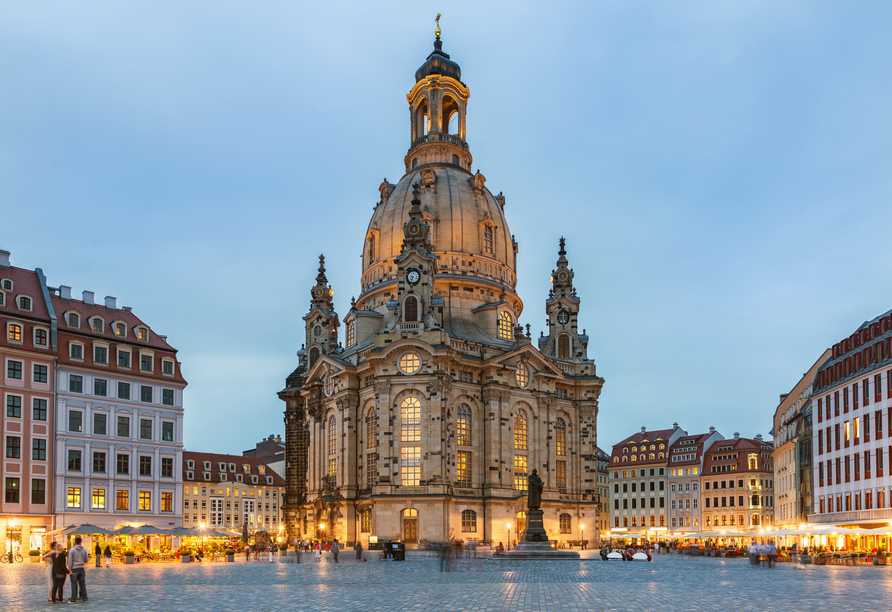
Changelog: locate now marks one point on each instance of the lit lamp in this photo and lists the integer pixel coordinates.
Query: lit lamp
(11, 523)
(582, 533)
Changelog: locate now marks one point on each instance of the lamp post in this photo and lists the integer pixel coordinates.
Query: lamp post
(509, 536)
(11, 523)
(582, 537)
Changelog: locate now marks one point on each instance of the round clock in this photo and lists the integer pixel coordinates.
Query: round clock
(318, 292)
(413, 277)
(562, 275)
(563, 317)
(414, 229)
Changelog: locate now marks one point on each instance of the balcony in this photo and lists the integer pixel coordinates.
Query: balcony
(415, 327)
(438, 137)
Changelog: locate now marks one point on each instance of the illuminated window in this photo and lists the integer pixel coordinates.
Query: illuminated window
(410, 363)
(142, 333)
(332, 436)
(98, 325)
(468, 521)
(522, 375)
(351, 333)
(145, 501)
(99, 499)
(410, 420)
(560, 437)
(561, 474)
(410, 309)
(505, 325)
(520, 472)
(410, 466)
(167, 502)
(463, 425)
(487, 239)
(15, 333)
(74, 497)
(464, 469)
(564, 346)
(365, 521)
(122, 500)
(370, 433)
(371, 248)
(332, 467)
(520, 430)
(565, 523)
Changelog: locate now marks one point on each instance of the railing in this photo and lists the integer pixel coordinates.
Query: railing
(851, 516)
(438, 137)
(410, 327)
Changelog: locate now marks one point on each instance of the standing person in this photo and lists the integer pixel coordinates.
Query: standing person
(335, 549)
(60, 573)
(98, 554)
(107, 555)
(327, 547)
(48, 558)
(772, 553)
(77, 559)
(753, 553)
(247, 553)
(359, 551)
(318, 551)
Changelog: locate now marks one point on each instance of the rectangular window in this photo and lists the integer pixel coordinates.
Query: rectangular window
(145, 466)
(38, 449)
(145, 393)
(75, 383)
(14, 406)
(520, 472)
(123, 390)
(14, 369)
(145, 501)
(855, 396)
(38, 491)
(100, 424)
(332, 467)
(410, 461)
(167, 397)
(100, 354)
(40, 373)
(39, 409)
(74, 460)
(40, 337)
(123, 464)
(166, 467)
(167, 431)
(13, 447)
(76, 351)
(123, 427)
(145, 429)
(371, 469)
(14, 333)
(166, 502)
(145, 363)
(122, 499)
(124, 359)
(463, 468)
(12, 490)
(99, 462)
(74, 497)
(561, 474)
(167, 367)
(99, 499)
(410, 421)
(879, 461)
(100, 387)
(75, 420)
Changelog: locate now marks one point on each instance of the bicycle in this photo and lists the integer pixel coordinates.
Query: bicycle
(5, 558)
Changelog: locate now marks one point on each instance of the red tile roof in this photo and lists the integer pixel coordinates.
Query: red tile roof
(239, 460)
(86, 311)
(28, 283)
(742, 447)
(698, 442)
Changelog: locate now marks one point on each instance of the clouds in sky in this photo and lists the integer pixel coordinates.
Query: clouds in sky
(721, 171)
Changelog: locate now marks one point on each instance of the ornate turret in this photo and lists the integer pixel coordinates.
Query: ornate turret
(322, 321)
(562, 307)
(416, 232)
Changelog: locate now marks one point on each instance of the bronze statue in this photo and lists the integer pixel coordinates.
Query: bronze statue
(534, 497)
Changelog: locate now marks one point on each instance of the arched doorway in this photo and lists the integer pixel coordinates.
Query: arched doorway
(410, 525)
(521, 524)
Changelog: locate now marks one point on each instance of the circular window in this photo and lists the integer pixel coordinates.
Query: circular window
(410, 363)
(522, 375)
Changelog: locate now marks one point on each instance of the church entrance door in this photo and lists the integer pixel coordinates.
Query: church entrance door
(410, 530)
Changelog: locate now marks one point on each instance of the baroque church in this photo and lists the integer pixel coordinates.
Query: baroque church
(423, 419)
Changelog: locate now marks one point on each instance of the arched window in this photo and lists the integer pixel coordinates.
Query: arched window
(468, 521)
(521, 523)
(564, 346)
(634, 457)
(14, 333)
(522, 375)
(560, 437)
(520, 430)
(351, 333)
(365, 521)
(565, 523)
(410, 309)
(487, 239)
(450, 115)
(371, 248)
(314, 355)
(463, 425)
(651, 456)
(422, 122)
(73, 320)
(410, 420)
(505, 325)
(332, 436)
(371, 437)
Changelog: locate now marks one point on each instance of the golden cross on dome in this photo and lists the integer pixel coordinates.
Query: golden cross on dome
(438, 25)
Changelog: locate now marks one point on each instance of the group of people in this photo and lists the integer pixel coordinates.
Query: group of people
(757, 551)
(60, 564)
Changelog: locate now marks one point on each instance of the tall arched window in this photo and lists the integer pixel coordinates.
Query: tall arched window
(565, 523)
(560, 437)
(410, 420)
(314, 355)
(410, 309)
(505, 325)
(371, 248)
(520, 430)
(332, 436)
(468, 521)
(351, 333)
(421, 120)
(487, 239)
(365, 521)
(564, 346)
(371, 437)
(463, 425)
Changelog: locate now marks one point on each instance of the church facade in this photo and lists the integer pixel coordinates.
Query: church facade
(421, 414)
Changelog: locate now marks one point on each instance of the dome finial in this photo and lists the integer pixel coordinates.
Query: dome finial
(437, 31)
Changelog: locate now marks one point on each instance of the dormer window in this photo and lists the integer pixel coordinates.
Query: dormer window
(142, 333)
(238, 478)
(247, 468)
(190, 475)
(505, 325)
(207, 475)
(269, 480)
(224, 476)
(14, 332)
(97, 324)
(221, 466)
(206, 464)
(254, 479)
(261, 469)
(190, 464)
(2, 298)
(120, 330)
(73, 320)
(7, 284)
(24, 303)
(351, 333)
(232, 467)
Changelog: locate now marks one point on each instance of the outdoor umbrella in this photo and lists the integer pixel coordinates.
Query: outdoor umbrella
(144, 530)
(205, 532)
(86, 529)
(180, 531)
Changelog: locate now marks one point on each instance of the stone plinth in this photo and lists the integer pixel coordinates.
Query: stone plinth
(534, 543)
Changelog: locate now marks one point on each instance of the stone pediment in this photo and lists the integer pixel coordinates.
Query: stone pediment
(531, 356)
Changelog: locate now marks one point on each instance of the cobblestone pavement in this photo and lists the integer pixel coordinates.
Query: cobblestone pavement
(671, 582)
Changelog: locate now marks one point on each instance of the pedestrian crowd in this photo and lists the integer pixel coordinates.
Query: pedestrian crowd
(62, 563)
(758, 551)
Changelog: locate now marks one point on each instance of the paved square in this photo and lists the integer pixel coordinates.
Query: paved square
(671, 582)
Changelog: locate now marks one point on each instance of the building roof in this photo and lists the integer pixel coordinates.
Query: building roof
(735, 452)
(24, 282)
(869, 348)
(696, 442)
(246, 466)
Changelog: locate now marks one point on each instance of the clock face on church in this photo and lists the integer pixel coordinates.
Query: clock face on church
(563, 317)
(413, 277)
(562, 276)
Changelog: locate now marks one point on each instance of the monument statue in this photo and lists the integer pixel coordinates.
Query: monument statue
(534, 495)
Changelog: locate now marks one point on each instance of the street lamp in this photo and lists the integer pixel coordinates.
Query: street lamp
(509, 536)
(582, 534)
(11, 523)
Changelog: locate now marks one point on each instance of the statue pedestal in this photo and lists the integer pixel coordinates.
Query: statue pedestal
(534, 543)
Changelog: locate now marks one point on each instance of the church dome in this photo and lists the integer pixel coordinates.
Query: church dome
(438, 62)
(468, 229)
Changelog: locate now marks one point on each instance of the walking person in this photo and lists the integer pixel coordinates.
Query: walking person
(77, 560)
(98, 555)
(772, 553)
(48, 558)
(335, 549)
(247, 553)
(318, 551)
(60, 573)
(107, 555)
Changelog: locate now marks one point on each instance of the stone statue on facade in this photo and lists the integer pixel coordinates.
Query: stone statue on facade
(534, 495)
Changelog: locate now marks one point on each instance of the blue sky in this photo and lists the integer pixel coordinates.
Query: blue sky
(721, 171)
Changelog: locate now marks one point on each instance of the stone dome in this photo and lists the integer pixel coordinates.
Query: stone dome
(462, 215)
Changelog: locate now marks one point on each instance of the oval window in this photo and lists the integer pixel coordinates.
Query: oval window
(329, 386)
(410, 363)
(522, 375)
